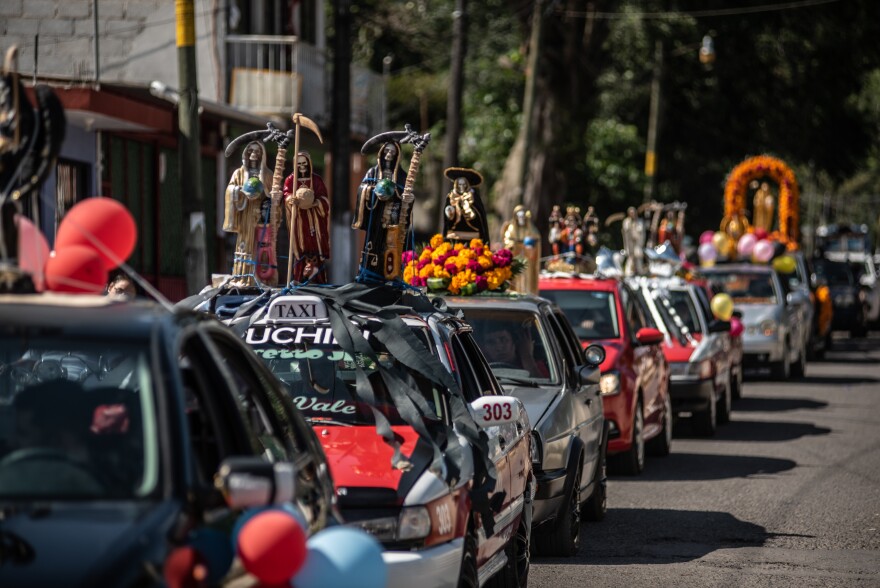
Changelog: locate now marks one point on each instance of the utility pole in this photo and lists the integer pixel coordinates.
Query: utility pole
(456, 85)
(536, 41)
(189, 149)
(344, 256)
(653, 123)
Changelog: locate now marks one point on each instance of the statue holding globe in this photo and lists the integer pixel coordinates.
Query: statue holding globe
(247, 209)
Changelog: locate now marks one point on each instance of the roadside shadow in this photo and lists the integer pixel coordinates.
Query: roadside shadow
(835, 380)
(662, 536)
(756, 404)
(696, 467)
(740, 430)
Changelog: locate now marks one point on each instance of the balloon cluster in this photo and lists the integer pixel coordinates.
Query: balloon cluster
(95, 236)
(722, 309)
(272, 546)
(753, 246)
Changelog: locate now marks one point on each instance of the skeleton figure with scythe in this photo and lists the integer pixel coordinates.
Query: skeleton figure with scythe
(384, 203)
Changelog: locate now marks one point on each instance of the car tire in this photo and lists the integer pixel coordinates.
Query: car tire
(706, 422)
(563, 538)
(661, 445)
(596, 506)
(799, 368)
(724, 407)
(781, 370)
(736, 385)
(469, 576)
(632, 461)
(515, 573)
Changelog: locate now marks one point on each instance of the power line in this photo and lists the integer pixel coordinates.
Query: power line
(699, 13)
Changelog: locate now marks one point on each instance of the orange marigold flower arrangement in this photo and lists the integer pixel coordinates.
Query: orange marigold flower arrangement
(460, 268)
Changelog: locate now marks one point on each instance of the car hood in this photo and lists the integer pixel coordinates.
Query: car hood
(359, 458)
(84, 544)
(537, 400)
(753, 314)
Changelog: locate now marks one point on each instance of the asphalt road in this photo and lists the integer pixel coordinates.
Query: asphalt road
(785, 495)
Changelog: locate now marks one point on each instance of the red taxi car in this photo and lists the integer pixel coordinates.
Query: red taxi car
(635, 374)
(409, 456)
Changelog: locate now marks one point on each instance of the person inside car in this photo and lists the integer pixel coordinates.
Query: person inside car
(122, 286)
(504, 347)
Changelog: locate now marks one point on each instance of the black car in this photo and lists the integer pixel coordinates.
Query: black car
(847, 298)
(127, 430)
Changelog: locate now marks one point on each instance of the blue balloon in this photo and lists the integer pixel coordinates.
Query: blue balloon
(215, 548)
(340, 557)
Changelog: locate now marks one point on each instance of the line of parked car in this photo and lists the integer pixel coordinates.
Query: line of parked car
(464, 433)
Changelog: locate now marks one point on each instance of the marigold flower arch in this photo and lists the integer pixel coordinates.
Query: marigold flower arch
(759, 167)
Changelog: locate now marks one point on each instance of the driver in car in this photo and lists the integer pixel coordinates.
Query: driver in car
(503, 346)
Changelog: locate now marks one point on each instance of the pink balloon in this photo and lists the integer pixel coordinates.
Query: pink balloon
(707, 252)
(763, 251)
(746, 245)
(33, 251)
(706, 237)
(736, 327)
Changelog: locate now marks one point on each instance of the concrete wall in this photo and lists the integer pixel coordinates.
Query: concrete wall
(136, 40)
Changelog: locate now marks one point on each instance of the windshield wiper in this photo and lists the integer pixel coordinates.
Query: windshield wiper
(520, 381)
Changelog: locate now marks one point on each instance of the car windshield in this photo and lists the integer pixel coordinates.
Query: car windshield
(77, 419)
(664, 313)
(684, 307)
(514, 343)
(322, 379)
(745, 287)
(592, 314)
(834, 273)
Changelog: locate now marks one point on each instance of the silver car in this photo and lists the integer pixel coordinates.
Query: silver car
(537, 358)
(773, 315)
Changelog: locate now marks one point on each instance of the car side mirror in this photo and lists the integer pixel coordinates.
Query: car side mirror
(649, 336)
(594, 355)
(491, 411)
(719, 326)
(588, 374)
(248, 482)
(795, 298)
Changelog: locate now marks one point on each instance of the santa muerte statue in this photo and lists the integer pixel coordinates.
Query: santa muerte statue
(464, 217)
(384, 203)
(569, 238)
(521, 237)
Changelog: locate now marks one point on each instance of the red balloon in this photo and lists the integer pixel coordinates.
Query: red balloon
(272, 546)
(760, 234)
(103, 224)
(77, 269)
(185, 568)
(33, 251)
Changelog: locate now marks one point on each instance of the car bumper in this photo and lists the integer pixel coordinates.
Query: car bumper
(769, 348)
(433, 567)
(549, 496)
(691, 394)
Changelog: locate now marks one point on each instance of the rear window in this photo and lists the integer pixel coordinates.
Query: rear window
(592, 314)
(746, 287)
(322, 378)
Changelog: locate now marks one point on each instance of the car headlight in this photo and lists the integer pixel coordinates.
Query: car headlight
(414, 523)
(535, 448)
(768, 328)
(609, 384)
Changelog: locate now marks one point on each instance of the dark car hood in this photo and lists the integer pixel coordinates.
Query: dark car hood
(79, 545)
(536, 400)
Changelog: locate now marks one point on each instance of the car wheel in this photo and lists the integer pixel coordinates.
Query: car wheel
(515, 574)
(596, 506)
(706, 422)
(469, 576)
(661, 445)
(564, 537)
(782, 369)
(725, 406)
(736, 385)
(632, 462)
(799, 368)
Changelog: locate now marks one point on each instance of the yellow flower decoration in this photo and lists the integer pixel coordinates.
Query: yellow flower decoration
(427, 271)
(440, 272)
(467, 254)
(436, 240)
(476, 244)
(485, 263)
(458, 247)
(408, 272)
(425, 255)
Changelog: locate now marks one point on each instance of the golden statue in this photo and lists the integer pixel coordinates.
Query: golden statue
(762, 215)
(523, 239)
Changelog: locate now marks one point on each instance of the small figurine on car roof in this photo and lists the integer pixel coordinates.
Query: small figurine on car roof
(307, 210)
(522, 238)
(384, 203)
(464, 217)
(633, 230)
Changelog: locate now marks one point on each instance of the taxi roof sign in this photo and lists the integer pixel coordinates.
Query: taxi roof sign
(297, 309)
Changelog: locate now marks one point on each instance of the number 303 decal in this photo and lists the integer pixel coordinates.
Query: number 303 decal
(497, 412)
